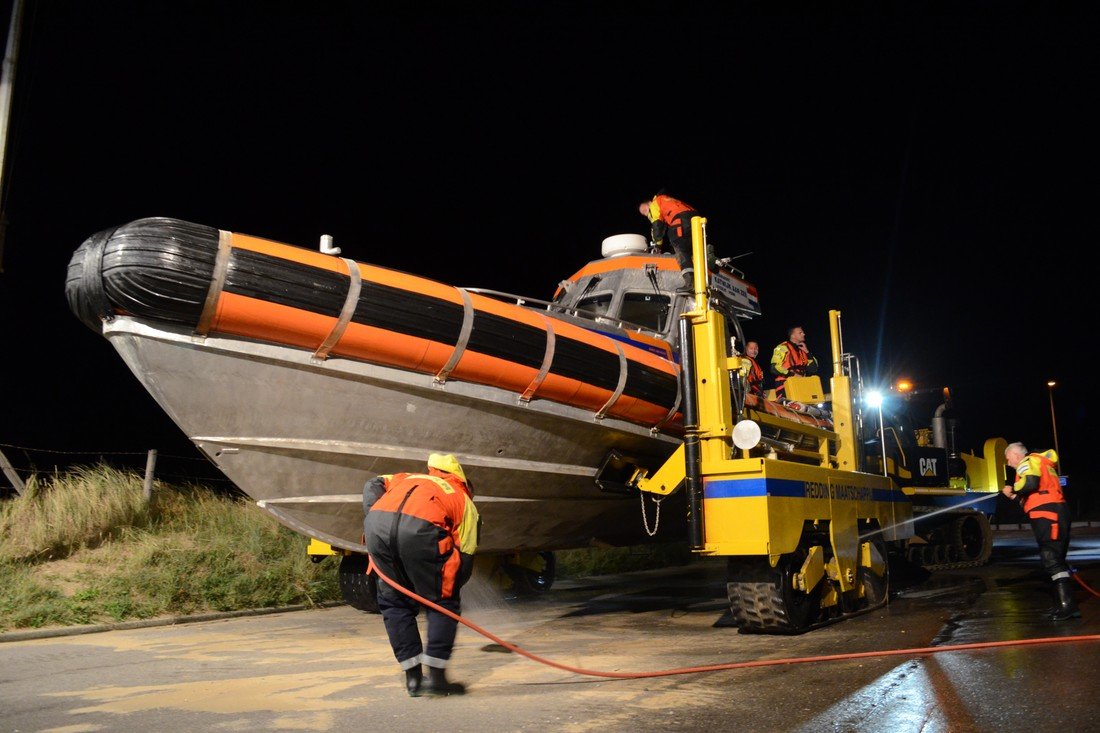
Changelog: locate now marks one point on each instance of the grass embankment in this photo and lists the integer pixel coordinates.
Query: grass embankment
(85, 547)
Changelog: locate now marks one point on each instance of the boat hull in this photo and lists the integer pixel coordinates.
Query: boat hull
(301, 436)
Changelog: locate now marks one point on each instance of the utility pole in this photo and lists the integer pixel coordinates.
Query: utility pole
(7, 83)
(1053, 423)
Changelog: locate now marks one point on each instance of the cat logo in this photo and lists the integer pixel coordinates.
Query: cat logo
(928, 466)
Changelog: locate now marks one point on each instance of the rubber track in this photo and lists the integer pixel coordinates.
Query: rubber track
(957, 565)
(952, 565)
(758, 607)
(769, 615)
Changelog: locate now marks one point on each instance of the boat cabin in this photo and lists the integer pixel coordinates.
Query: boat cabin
(635, 294)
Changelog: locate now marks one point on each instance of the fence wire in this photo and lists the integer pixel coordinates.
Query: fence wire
(29, 461)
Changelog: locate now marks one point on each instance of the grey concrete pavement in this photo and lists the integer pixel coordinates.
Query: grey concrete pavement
(332, 670)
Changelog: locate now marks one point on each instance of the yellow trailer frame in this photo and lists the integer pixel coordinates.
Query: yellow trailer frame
(812, 504)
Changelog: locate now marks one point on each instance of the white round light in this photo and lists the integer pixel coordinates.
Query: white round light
(746, 434)
(874, 398)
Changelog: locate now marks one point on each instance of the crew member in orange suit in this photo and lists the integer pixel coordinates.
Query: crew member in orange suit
(671, 218)
(751, 370)
(792, 357)
(1038, 490)
(421, 531)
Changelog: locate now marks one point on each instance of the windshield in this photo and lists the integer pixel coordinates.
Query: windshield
(647, 310)
(595, 304)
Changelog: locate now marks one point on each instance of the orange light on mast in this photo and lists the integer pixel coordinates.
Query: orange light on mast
(903, 386)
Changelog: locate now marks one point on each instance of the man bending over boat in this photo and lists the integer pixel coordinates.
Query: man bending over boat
(421, 532)
(671, 218)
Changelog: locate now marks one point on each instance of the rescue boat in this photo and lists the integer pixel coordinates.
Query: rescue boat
(302, 374)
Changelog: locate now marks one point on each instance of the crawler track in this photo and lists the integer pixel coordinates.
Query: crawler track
(759, 607)
(962, 540)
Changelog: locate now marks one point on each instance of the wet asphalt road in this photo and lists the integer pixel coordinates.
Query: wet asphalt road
(332, 670)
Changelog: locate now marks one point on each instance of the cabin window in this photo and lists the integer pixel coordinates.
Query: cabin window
(594, 305)
(648, 310)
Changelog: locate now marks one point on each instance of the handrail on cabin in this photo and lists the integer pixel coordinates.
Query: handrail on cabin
(523, 300)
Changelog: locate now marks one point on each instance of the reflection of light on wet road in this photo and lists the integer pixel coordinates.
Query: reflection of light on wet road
(1085, 548)
(1021, 546)
(952, 692)
(966, 692)
(902, 700)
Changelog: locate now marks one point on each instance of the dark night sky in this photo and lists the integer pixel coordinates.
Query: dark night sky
(933, 176)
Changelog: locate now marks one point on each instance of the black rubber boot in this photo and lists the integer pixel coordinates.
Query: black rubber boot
(1067, 607)
(414, 680)
(438, 686)
(1055, 605)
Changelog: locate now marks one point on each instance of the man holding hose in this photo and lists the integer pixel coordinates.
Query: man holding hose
(1038, 490)
(421, 532)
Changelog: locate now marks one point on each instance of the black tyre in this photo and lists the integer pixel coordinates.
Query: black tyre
(527, 581)
(763, 599)
(973, 537)
(876, 585)
(802, 609)
(359, 590)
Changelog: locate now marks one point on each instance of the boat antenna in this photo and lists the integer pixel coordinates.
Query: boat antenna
(725, 262)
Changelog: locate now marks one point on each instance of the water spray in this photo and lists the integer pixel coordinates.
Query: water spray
(968, 502)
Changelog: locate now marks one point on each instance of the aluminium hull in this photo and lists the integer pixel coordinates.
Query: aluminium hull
(301, 436)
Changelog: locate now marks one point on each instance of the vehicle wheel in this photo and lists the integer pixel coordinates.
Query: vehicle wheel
(764, 599)
(973, 537)
(802, 609)
(876, 586)
(534, 576)
(360, 591)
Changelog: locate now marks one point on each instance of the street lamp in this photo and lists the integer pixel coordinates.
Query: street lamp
(874, 399)
(1053, 423)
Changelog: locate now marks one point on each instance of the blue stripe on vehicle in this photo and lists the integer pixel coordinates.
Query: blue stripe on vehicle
(653, 349)
(739, 488)
(742, 488)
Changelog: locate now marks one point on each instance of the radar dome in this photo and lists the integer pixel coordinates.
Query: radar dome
(624, 244)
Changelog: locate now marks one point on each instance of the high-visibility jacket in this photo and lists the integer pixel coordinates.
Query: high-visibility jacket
(1037, 481)
(435, 511)
(667, 215)
(788, 359)
(754, 375)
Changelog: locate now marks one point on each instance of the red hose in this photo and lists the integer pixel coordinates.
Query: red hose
(1084, 585)
(731, 665)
